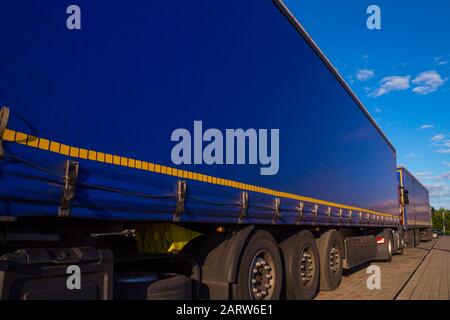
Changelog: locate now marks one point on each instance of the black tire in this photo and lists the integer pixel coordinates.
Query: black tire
(170, 287)
(331, 252)
(401, 244)
(295, 250)
(426, 238)
(416, 237)
(390, 245)
(385, 251)
(260, 248)
(410, 238)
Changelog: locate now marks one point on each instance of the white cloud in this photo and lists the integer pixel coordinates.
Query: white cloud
(446, 163)
(424, 175)
(424, 83)
(427, 82)
(437, 182)
(392, 83)
(440, 61)
(364, 74)
(425, 126)
(439, 141)
(428, 175)
(438, 190)
(351, 79)
(437, 137)
(411, 156)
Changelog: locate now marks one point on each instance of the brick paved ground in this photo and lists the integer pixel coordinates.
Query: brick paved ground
(429, 281)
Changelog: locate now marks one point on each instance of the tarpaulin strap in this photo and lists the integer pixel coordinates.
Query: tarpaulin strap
(300, 213)
(4, 116)
(181, 196)
(244, 206)
(70, 181)
(277, 214)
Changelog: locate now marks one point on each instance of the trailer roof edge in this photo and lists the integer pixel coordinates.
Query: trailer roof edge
(401, 167)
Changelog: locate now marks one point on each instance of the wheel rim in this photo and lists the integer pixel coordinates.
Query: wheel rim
(307, 267)
(390, 247)
(262, 275)
(335, 258)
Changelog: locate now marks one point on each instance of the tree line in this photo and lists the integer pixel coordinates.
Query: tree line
(438, 217)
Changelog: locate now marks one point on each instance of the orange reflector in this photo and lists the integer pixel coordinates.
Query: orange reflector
(220, 229)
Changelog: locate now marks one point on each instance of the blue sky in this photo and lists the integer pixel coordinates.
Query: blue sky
(401, 73)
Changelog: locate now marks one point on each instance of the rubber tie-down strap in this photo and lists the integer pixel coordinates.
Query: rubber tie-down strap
(181, 196)
(4, 116)
(70, 181)
(244, 206)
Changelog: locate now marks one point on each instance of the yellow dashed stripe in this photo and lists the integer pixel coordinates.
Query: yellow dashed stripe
(75, 152)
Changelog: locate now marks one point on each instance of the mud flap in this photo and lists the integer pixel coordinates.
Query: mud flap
(219, 259)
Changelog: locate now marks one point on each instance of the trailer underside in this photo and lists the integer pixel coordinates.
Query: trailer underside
(211, 256)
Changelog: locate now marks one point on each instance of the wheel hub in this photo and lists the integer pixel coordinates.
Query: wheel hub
(262, 276)
(307, 267)
(334, 259)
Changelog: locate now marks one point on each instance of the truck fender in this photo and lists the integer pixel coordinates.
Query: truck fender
(219, 260)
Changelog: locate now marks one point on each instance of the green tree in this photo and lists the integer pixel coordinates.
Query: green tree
(437, 220)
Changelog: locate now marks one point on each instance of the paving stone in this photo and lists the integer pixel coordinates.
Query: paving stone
(430, 281)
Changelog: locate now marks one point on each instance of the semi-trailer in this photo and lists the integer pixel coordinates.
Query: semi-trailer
(166, 150)
(415, 215)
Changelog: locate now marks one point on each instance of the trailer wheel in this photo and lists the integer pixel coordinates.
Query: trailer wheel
(260, 271)
(385, 246)
(409, 238)
(152, 286)
(390, 245)
(401, 244)
(331, 250)
(170, 287)
(301, 263)
(416, 237)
